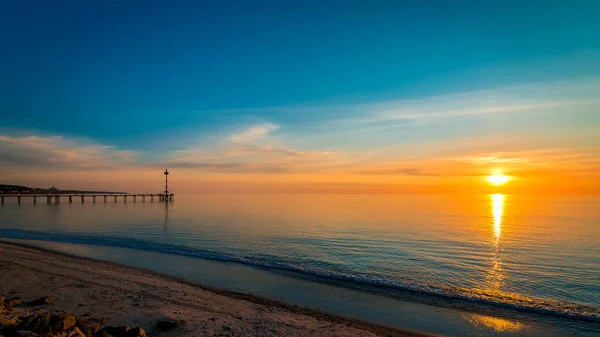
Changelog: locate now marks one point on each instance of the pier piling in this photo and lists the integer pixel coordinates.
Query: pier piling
(164, 196)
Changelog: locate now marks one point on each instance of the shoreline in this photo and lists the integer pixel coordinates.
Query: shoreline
(456, 301)
(115, 290)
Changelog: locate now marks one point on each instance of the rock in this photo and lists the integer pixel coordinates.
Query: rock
(4, 308)
(112, 331)
(89, 326)
(11, 302)
(136, 332)
(36, 323)
(42, 301)
(121, 331)
(75, 332)
(170, 324)
(62, 322)
(6, 323)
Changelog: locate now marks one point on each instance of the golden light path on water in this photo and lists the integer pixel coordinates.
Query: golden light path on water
(495, 323)
(497, 211)
(495, 275)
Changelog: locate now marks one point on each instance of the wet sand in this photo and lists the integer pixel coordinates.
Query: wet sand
(137, 297)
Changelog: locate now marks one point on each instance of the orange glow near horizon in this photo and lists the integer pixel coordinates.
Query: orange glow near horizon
(455, 178)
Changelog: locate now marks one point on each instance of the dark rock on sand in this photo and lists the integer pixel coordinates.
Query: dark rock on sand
(8, 323)
(89, 326)
(58, 325)
(4, 308)
(121, 331)
(136, 332)
(42, 301)
(11, 302)
(170, 324)
(75, 332)
(47, 324)
(62, 322)
(36, 323)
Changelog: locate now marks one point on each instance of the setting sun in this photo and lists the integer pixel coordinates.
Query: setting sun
(498, 179)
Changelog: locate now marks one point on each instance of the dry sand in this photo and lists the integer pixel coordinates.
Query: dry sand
(137, 297)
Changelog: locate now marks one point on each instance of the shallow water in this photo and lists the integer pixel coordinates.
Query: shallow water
(536, 254)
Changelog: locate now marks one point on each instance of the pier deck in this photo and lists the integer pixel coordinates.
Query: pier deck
(56, 198)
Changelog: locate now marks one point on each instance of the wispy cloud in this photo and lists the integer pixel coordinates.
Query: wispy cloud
(329, 150)
(254, 132)
(60, 152)
(447, 108)
(381, 114)
(250, 150)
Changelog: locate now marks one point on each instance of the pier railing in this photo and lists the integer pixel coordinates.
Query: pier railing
(105, 197)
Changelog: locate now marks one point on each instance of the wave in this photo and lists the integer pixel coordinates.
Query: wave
(384, 285)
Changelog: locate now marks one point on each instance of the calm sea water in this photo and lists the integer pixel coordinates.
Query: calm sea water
(536, 254)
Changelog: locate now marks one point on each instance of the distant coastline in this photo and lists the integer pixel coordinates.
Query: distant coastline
(18, 189)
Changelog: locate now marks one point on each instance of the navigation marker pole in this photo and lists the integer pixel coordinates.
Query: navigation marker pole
(166, 185)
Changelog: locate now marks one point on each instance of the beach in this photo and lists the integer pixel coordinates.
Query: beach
(134, 297)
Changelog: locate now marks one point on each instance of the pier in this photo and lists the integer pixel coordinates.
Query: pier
(57, 198)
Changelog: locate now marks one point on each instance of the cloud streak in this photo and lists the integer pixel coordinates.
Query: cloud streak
(61, 152)
(250, 150)
(254, 132)
(331, 152)
(383, 114)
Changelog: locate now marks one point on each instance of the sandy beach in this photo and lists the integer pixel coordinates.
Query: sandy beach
(135, 297)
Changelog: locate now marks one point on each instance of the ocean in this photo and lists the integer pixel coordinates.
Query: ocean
(523, 258)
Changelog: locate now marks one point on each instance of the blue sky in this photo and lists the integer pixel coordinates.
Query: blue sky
(155, 79)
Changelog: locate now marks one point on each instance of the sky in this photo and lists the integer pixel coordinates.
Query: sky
(301, 96)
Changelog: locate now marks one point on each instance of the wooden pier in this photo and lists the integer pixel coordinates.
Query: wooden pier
(55, 195)
(56, 198)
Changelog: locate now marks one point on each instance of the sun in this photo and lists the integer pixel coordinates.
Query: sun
(498, 179)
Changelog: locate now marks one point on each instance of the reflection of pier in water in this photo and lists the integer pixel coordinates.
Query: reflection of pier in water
(166, 223)
(57, 197)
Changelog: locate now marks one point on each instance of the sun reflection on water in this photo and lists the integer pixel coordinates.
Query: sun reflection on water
(494, 323)
(497, 210)
(495, 277)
